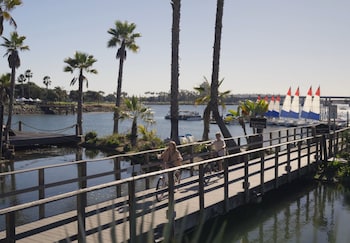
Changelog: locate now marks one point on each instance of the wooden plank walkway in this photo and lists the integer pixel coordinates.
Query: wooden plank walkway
(187, 203)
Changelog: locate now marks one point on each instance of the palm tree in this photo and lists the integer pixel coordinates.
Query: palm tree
(174, 86)
(81, 62)
(28, 73)
(5, 83)
(124, 36)
(135, 110)
(5, 7)
(215, 74)
(22, 79)
(13, 45)
(47, 83)
(204, 99)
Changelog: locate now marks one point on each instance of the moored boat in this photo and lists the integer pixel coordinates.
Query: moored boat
(187, 116)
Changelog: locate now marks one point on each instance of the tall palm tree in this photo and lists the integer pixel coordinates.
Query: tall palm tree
(28, 73)
(135, 110)
(6, 6)
(215, 74)
(204, 99)
(22, 79)
(5, 83)
(81, 62)
(174, 86)
(122, 35)
(13, 45)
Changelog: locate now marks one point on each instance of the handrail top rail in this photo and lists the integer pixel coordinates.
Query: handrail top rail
(126, 155)
(137, 177)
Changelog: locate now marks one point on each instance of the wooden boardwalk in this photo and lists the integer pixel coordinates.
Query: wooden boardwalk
(138, 213)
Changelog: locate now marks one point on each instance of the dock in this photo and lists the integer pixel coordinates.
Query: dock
(24, 139)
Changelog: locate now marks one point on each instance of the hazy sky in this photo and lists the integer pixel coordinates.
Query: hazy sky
(267, 45)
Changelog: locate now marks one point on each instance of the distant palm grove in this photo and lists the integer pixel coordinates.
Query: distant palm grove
(57, 94)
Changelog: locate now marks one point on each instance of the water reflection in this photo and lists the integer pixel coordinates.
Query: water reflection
(312, 212)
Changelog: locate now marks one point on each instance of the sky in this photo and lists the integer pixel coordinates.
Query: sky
(267, 46)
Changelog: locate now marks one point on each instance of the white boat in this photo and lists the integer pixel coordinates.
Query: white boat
(187, 116)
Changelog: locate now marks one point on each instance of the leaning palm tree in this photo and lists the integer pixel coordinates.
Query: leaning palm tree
(215, 74)
(6, 6)
(204, 99)
(124, 36)
(135, 110)
(13, 45)
(174, 86)
(81, 62)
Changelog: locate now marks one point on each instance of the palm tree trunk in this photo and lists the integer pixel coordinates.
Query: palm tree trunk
(215, 75)
(12, 94)
(174, 93)
(134, 132)
(80, 105)
(119, 89)
(206, 121)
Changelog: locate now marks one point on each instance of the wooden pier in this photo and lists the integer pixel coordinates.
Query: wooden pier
(24, 139)
(136, 214)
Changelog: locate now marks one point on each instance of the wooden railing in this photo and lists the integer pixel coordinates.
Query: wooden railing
(285, 155)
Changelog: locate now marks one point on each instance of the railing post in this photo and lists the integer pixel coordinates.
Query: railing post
(132, 211)
(246, 178)
(288, 168)
(276, 166)
(299, 159)
(41, 182)
(171, 215)
(117, 175)
(147, 169)
(20, 126)
(81, 202)
(262, 172)
(191, 158)
(201, 190)
(10, 227)
(308, 155)
(226, 196)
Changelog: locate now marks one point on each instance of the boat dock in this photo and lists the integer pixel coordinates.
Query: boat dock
(23, 139)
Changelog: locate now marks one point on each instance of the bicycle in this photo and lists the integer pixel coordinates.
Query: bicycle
(162, 183)
(211, 168)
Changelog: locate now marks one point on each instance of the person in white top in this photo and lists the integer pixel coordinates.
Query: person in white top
(219, 147)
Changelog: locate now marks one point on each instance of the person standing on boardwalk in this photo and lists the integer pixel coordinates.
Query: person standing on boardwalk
(172, 157)
(219, 147)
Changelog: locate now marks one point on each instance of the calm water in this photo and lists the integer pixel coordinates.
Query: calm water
(316, 213)
(308, 212)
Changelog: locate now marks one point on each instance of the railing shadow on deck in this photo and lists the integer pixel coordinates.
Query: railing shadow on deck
(244, 177)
